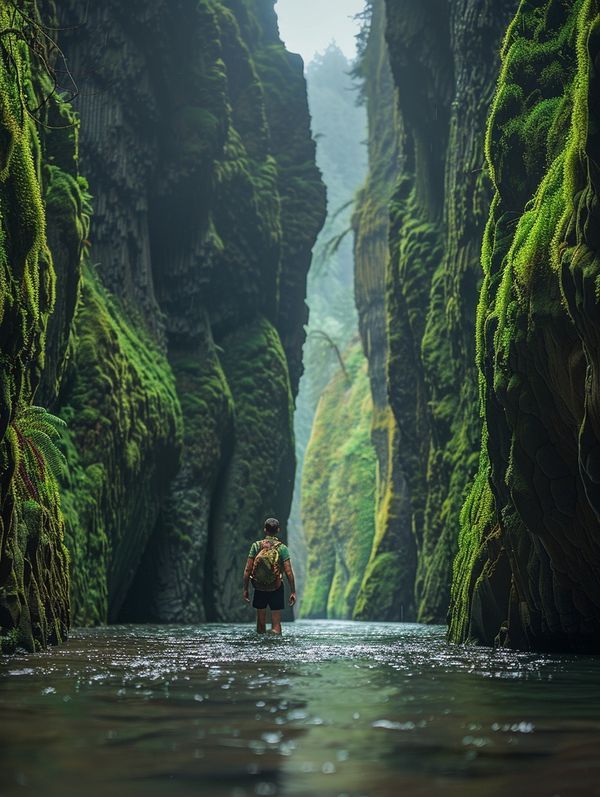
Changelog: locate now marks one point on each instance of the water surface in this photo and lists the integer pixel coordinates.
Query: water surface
(332, 708)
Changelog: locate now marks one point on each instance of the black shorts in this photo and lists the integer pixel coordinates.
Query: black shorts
(274, 599)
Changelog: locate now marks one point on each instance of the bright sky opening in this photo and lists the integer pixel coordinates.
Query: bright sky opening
(308, 26)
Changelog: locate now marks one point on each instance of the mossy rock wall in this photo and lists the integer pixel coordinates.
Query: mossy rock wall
(207, 205)
(43, 224)
(338, 494)
(387, 590)
(527, 570)
(194, 136)
(124, 431)
(447, 52)
(259, 476)
(429, 70)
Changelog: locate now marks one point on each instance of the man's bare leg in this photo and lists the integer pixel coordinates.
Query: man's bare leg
(261, 621)
(275, 622)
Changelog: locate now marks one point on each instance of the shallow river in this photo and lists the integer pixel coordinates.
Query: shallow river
(331, 708)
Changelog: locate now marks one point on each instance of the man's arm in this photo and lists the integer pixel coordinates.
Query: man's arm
(247, 571)
(287, 566)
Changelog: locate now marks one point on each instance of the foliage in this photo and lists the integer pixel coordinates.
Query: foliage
(338, 493)
(339, 127)
(34, 596)
(122, 409)
(39, 463)
(521, 575)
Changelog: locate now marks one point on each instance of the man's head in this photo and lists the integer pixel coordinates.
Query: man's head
(272, 526)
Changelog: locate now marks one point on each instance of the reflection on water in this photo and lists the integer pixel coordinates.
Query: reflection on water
(334, 709)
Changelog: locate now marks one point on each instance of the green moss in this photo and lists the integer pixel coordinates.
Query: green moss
(338, 493)
(539, 135)
(34, 600)
(122, 408)
(66, 198)
(376, 598)
(300, 187)
(380, 334)
(218, 210)
(429, 195)
(171, 580)
(10, 641)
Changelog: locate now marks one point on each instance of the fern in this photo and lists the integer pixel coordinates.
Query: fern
(38, 462)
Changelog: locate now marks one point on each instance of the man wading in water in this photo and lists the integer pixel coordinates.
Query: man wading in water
(263, 568)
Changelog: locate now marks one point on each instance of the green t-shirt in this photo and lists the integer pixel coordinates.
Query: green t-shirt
(284, 554)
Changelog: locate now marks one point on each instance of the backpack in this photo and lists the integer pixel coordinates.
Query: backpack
(266, 573)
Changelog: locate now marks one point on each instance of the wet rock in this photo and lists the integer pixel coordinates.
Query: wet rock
(534, 488)
(194, 137)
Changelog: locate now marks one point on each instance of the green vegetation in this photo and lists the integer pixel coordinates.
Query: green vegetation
(338, 124)
(151, 354)
(388, 584)
(38, 463)
(338, 493)
(207, 203)
(34, 600)
(259, 478)
(419, 222)
(256, 232)
(176, 559)
(521, 577)
(124, 433)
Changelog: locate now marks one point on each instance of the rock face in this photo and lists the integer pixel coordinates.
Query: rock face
(339, 124)
(527, 574)
(338, 493)
(173, 351)
(429, 72)
(43, 213)
(387, 588)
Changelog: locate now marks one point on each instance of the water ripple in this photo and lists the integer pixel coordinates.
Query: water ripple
(330, 708)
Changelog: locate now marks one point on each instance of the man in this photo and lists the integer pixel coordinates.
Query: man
(264, 568)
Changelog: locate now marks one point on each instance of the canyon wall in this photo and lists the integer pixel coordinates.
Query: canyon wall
(428, 71)
(339, 125)
(44, 217)
(387, 589)
(155, 237)
(528, 570)
(167, 332)
(338, 492)
(444, 58)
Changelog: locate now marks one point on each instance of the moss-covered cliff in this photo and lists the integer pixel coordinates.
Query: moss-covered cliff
(338, 493)
(527, 571)
(339, 124)
(43, 224)
(428, 80)
(388, 583)
(172, 350)
(219, 206)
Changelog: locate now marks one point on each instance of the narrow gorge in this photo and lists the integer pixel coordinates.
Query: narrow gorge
(165, 228)
(157, 235)
(476, 281)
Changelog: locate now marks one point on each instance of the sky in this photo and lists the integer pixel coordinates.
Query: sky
(308, 26)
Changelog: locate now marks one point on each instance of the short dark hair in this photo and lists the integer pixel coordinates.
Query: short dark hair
(272, 525)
